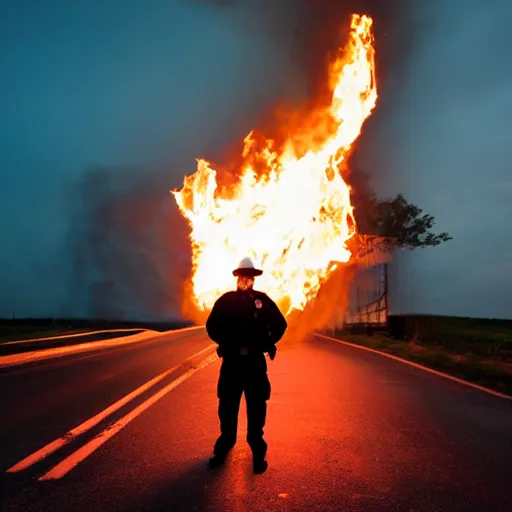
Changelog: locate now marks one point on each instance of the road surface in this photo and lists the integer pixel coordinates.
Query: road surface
(348, 430)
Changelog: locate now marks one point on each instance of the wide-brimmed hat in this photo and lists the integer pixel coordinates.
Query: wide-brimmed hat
(246, 268)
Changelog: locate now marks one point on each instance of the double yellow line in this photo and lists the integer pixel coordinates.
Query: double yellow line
(71, 461)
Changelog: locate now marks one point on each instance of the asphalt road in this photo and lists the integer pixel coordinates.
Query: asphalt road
(348, 430)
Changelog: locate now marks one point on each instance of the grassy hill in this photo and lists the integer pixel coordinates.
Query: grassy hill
(29, 328)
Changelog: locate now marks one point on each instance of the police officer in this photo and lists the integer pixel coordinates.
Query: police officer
(245, 324)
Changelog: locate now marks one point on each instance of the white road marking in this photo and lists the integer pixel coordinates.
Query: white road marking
(70, 462)
(420, 367)
(50, 353)
(92, 422)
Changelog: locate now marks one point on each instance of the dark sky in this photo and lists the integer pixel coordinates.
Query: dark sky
(104, 105)
(445, 141)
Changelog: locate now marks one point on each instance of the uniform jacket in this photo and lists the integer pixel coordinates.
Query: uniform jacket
(249, 319)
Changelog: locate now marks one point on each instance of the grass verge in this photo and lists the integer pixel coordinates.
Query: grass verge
(30, 333)
(489, 372)
(32, 328)
(55, 341)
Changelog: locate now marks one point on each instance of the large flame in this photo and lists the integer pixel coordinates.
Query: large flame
(294, 218)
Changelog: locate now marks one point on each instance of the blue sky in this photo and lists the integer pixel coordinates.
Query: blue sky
(448, 132)
(141, 88)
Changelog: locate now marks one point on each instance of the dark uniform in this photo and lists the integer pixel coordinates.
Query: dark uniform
(245, 324)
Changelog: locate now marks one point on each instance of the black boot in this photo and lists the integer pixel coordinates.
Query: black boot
(216, 461)
(259, 465)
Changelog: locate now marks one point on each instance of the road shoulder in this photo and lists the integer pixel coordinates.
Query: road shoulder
(494, 382)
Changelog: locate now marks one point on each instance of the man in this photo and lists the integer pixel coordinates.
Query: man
(245, 324)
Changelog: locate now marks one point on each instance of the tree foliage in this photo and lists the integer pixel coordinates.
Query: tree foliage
(403, 223)
(395, 219)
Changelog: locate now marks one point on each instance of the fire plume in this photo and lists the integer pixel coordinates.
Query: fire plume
(290, 208)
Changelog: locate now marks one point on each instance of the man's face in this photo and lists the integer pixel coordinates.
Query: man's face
(245, 282)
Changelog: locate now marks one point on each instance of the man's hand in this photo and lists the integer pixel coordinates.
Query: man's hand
(272, 352)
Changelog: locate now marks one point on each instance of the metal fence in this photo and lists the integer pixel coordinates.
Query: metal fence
(368, 297)
(368, 302)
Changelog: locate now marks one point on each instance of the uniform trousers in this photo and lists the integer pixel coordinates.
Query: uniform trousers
(247, 375)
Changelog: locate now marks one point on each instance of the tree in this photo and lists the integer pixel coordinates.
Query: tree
(402, 224)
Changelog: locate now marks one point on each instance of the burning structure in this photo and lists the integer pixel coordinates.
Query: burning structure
(289, 207)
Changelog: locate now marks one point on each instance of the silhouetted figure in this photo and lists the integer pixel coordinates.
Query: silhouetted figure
(245, 324)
